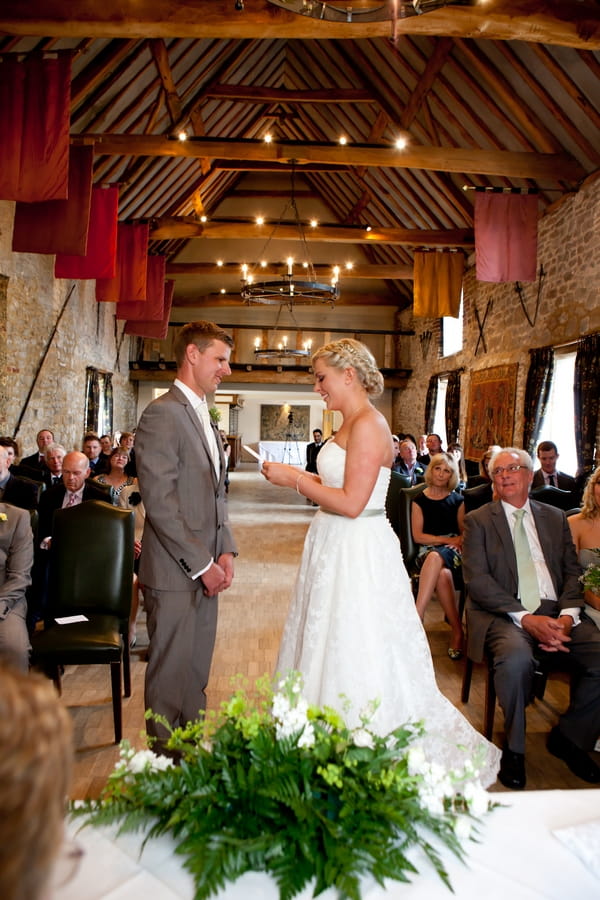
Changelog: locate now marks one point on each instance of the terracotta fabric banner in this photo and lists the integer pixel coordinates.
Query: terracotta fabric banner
(35, 107)
(437, 283)
(129, 282)
(59, 226)
(100, 261)
(158, 330)
(506, 236)
(153, 309)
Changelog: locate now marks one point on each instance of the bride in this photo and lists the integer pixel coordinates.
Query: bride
(352, 628)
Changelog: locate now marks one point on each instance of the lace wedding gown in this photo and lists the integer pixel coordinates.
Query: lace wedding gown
(352, 630)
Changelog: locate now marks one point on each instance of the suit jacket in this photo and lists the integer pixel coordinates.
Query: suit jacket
(16, 556)
(417, 472)
(21, 493)
(312, 451)
(565, 482)
(52, 499)
(489, 566)
(186, 513)
(33, 462)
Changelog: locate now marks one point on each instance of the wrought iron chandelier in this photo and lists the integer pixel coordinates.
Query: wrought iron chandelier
(365, 10)
(290, 290)
(281, 350)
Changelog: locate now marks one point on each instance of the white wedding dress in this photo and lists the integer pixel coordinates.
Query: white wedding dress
(352, 630)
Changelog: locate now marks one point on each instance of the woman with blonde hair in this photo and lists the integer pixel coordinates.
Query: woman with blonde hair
(585, 530)
(35, 770)
(437, 516)
(352, 630)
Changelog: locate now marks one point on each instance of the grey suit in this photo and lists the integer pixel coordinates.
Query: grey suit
(490, 573)
(185, 528)
(16, 558)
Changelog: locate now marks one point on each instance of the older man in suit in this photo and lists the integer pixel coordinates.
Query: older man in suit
(16, 557)
(524, 601)
(188, 549)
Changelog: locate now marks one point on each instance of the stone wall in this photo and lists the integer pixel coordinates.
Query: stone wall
(31, 300)
(569, 307)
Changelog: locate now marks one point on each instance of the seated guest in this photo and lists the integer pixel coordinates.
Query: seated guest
(397, 459)
(548, 473)
(456, 451)
(36, 460)
(585, 530)
(227, 452)
(433, 445)
(408, 464)
(422, 454)
(524, 603)
(126, 493)
(107, 447)
(16, 558)
(17, 491)
(484, 476)
(437, 523)
(126, 441)
(54, 455)
(35, 769)
(93, 450)
(12, 448)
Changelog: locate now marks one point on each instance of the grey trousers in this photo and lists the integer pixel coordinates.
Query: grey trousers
(182, 626)
(14, 638)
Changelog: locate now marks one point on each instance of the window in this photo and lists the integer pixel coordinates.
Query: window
(439, 418)
(452, 333)
(98, 401)
(559, 424)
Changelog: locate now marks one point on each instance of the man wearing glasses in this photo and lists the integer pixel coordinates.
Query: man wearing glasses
(525, 602)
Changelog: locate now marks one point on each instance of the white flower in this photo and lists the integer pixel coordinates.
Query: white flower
(417, 764)
(476, 798)
(307, 738)
(462, 828)
(146, 760)
(363, 738)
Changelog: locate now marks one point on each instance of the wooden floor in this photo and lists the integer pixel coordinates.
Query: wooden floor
(270, 524)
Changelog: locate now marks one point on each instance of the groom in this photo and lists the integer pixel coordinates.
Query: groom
(188, 549)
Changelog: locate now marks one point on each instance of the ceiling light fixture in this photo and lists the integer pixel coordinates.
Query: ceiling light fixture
(365, 10)
(289, 291)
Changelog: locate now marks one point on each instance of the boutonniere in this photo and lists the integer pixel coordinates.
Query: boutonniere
(3, 517)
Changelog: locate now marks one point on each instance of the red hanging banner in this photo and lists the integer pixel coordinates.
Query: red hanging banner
(129, 282)
(35, 96)
(158, 330)
(153, 309)
(100, 261)
(505, 236)
(59, 226)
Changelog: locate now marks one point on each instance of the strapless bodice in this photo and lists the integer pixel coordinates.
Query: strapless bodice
(331, 464)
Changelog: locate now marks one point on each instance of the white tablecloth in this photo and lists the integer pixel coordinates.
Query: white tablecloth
(518, 858)
(293, 452)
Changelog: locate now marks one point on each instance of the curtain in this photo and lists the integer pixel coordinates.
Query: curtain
(107, 425)
(586, 394)
(430, 401)
(129, 282)
(506, 236)
(92, 398)
(437, 284)
(100, 261)
(59, 226)
(537, 395)
(452, 410)
(35, 106)
(152, 310)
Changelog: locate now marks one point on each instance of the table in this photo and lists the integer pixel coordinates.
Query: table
(518, 857)
(293, 452)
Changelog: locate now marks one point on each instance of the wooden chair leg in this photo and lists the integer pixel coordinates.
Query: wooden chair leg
(490, 703)
(466, 682)
(115, 678)
(126, 667)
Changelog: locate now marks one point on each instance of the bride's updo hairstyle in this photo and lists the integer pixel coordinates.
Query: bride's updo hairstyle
(350, 353)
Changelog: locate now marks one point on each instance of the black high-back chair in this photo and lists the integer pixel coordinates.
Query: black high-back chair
(398, 505)
(553, 496)
(91, 571)
(477, 496)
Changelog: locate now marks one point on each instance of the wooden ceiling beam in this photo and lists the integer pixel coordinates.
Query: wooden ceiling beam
(358, 271)
(251, 94)
(553, 166)
(160, 56)
(542, 21)
(169, 228)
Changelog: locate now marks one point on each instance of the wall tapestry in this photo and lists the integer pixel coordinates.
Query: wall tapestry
(285, 422)
(491, 413)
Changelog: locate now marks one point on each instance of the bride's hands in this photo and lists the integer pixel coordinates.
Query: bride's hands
(280, 474)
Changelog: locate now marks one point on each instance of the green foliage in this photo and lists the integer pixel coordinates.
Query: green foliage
(270, 784)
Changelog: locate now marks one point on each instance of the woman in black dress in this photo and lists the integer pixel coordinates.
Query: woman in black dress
(437, 523)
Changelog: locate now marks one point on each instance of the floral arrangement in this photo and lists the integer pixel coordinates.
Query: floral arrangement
(591, 576)
(272, 784)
